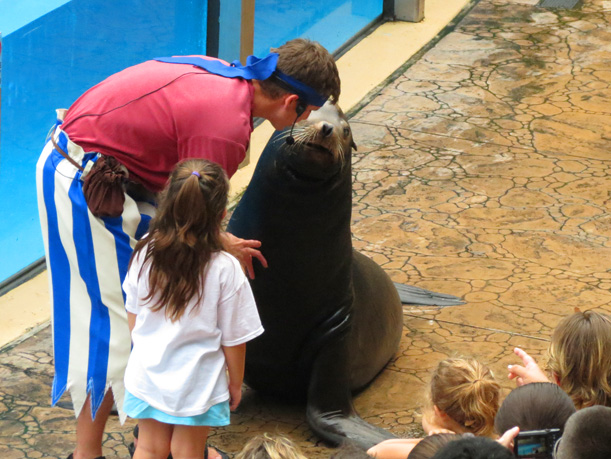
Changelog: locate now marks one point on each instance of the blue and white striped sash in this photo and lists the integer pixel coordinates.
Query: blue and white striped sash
(87, 259)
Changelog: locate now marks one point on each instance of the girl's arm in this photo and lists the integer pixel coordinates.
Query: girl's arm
(235, 357)
(131, 321)
(396, 448)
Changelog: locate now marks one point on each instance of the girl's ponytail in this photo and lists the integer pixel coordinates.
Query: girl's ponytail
(184, 234)
(467, 392)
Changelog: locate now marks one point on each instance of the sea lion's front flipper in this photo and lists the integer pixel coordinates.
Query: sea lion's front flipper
(416, 295)
(330, 411)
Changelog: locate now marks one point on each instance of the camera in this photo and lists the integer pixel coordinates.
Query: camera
(536, 444)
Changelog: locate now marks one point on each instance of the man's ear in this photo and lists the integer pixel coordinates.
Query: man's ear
(290, 101)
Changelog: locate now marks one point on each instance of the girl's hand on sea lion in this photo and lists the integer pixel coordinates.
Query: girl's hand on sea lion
(244, 250)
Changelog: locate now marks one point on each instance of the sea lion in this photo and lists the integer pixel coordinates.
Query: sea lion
(332, 317)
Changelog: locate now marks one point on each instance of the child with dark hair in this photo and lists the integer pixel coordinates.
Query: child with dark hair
(190, 313)
(428, 446)
(471, 447)
(535, 406)
(587, 435)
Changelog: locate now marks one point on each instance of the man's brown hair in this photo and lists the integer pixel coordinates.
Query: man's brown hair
(310, 63)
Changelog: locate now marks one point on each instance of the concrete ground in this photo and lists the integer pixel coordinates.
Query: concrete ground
(483, 170)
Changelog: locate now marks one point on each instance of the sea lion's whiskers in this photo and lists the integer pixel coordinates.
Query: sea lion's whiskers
(305, 135)
(283, 135)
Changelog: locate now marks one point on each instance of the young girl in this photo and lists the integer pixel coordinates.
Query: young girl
(463, 397)
(190, 312)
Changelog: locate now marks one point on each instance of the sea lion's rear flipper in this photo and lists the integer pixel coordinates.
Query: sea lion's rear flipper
(416, 295)
(330, 412)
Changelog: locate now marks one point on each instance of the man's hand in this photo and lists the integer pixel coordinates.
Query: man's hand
(528, 372)
(244, 250)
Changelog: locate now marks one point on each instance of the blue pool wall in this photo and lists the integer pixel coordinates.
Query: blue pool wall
(52, 51)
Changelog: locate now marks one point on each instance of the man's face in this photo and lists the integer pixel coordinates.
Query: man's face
(287, 114)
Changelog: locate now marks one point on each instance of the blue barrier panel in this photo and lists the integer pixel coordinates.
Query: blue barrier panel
(51, 53)
(54, 50)
(330, 22)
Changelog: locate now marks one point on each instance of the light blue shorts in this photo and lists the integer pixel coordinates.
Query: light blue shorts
(216, 416)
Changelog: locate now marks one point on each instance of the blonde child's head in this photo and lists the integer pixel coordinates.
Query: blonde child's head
(184, 233)
(580, 358)
(266, 446)
(466, 392)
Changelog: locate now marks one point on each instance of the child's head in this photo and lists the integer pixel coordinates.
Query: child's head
(580, 358)
(535, 406)
(193, 203)
(467, 393)
(471, 447)
(184, 233)
(429, 445)
(586, 435)
(266, 446)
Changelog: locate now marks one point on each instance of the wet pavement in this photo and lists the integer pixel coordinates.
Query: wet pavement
(484, 171)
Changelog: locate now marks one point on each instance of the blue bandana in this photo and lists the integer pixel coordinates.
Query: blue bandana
(255, 69)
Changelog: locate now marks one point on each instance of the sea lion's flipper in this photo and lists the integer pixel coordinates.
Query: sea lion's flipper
(336, 428)
(416, 295)
(330, 412)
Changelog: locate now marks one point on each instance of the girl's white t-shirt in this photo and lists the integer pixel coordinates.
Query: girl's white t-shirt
(179, 367)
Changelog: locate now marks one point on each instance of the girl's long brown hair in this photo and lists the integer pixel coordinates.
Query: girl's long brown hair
(184, 234)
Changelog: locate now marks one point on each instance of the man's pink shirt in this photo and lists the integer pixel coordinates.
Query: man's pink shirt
(152, 115)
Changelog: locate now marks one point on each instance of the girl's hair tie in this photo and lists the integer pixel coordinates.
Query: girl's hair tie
(196, 173)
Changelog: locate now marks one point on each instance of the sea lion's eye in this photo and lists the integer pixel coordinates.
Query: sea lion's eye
(346, 132)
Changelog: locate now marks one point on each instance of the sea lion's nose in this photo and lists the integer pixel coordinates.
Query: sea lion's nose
(326, 130)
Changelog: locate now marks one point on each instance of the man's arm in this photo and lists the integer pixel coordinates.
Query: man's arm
(244, 250)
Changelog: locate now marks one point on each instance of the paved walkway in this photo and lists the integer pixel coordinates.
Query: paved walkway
(483, 170)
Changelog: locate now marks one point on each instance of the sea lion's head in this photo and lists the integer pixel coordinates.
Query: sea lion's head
(322, 145)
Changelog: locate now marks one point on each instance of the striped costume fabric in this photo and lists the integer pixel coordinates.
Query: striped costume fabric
(87, 259)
